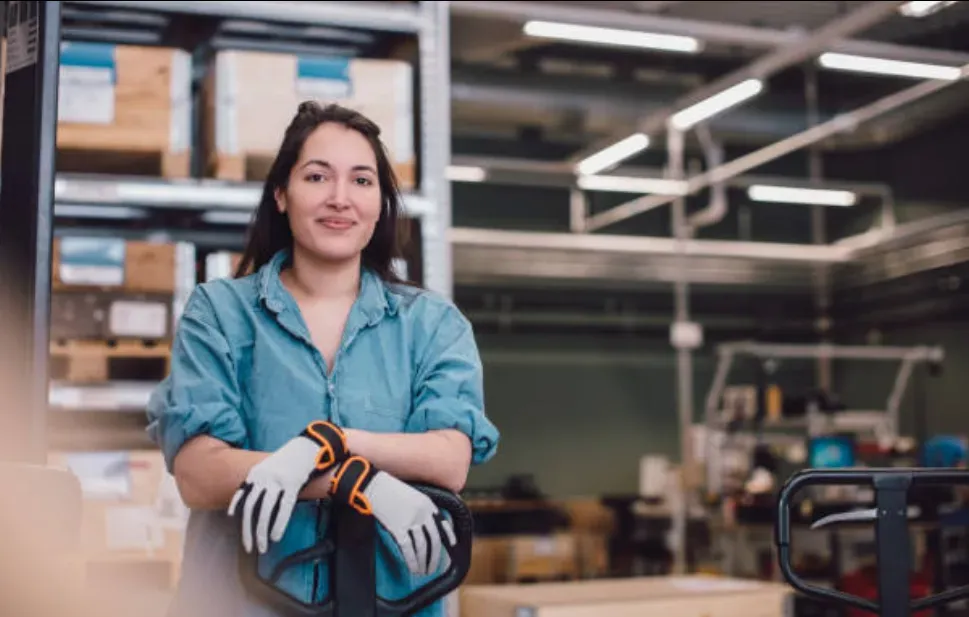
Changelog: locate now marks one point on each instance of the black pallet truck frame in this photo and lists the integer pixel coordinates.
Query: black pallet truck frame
(892, 540)
(350, 545)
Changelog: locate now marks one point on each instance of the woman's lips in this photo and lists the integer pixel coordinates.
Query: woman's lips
(337, 224)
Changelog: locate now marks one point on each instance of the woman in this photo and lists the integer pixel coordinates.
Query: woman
(319, 365)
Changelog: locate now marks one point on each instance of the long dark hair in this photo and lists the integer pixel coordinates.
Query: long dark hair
(269, 231)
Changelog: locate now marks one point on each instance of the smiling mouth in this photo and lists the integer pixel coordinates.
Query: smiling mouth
(337, 224)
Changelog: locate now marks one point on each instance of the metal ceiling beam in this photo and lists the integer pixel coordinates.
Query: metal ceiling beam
(750, 37)
(559, 174)
(840, 124)
(646, 246)
(385, 16)
(781, 58)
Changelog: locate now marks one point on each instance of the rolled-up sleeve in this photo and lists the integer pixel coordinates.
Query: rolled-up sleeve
(449, 387)
(200, 395)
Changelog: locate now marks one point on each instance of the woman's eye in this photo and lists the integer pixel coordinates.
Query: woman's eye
(315, 177)
(364, 181)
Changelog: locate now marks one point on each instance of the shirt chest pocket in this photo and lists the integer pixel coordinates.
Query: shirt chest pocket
(370, 410)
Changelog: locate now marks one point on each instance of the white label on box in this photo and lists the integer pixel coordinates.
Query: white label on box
(544, 547)
(91, 261)
(132, 528)
(180, 89)
(102, 475)
(86, 95)
(171, 510)
(22, 39)
(322, 89)
(138, 319)
(227, 112)
(91, 275)
(711, 584)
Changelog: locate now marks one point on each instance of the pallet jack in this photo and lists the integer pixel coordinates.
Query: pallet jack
(350, 546)
(892, 539)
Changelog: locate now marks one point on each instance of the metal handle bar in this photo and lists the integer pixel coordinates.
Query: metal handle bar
(882, 480)
(460, 563)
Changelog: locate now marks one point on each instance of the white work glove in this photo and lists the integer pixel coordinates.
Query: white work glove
(266, 499)
(414, 522)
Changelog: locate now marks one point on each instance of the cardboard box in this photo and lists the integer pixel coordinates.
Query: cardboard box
(538, 558)
(133, 519)
(113, 264)
(251, 97)
(99, 315)
(692, 596)
(124, 109)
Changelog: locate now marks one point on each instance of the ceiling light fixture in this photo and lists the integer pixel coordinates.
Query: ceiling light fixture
(795, 195)
(884, 66)
(720, 102)
(923, 9)
(632, 184)
(612, 155)
(612, 36)
(466, 173)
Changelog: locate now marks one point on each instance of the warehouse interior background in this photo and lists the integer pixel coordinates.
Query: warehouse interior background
(622, 197)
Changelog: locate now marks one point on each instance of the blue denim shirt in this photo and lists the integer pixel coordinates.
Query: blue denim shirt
(244, 370)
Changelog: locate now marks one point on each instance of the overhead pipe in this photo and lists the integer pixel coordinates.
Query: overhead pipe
(558, 174)
(840, 124)
(718, 206)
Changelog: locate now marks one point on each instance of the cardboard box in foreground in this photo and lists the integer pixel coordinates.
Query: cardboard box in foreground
(687, 596)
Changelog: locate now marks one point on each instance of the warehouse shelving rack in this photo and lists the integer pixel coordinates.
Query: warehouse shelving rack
(33, 195)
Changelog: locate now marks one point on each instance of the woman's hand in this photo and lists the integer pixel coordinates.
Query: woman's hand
(266, 499)
(414, 522)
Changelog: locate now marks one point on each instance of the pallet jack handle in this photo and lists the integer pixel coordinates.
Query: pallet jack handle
(350, 547)
(893, 545)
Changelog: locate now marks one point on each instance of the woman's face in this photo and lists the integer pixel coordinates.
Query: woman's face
(333, 199)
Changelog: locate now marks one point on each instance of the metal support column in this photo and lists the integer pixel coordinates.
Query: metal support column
(435, 84)
(822, 283)
(26, 214)
(684, 357)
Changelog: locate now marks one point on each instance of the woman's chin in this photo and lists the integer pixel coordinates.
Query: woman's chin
(335, 254)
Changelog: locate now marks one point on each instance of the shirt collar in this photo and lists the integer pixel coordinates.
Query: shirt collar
(375, 299)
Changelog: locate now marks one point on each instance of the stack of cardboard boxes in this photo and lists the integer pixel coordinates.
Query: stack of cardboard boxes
(127, 109)
(112, 304)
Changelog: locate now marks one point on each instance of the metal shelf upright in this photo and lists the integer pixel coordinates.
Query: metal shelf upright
(33, 195)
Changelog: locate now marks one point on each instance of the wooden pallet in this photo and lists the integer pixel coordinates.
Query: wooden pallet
(124, 162)
(99, 361)
(238, 167)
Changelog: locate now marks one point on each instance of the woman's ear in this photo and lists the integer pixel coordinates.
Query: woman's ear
(280, 200)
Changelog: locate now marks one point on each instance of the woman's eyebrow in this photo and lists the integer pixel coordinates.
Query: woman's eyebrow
(322, 163)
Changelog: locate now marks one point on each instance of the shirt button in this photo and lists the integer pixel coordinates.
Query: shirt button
(331, 388)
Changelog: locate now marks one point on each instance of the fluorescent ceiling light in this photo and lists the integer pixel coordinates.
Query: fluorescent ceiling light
(884, 66)
(716, 104)
(632, 184)
(922, 9)
(794, 195)
(612, 155)
(460, 173)
(612, 36)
